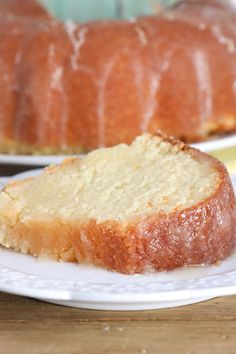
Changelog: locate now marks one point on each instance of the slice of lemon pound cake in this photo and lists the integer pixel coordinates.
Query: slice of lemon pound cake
(156, 204)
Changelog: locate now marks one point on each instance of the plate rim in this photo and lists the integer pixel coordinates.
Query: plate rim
(103, 297)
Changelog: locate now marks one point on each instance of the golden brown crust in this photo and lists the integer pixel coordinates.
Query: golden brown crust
(9, 146)
(203, 234)
(124, 78)
(25, 8)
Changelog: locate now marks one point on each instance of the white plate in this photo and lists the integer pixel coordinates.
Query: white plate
(41, 160)
(94, 288)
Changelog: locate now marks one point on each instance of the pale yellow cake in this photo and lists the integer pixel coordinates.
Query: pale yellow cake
(154, 204)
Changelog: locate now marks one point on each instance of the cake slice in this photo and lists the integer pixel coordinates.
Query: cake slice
(156, 204)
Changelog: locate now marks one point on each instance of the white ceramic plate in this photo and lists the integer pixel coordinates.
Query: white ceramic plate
(41, 160)
(94, 288)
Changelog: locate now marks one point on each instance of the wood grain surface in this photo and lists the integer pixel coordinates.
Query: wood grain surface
(31, 326)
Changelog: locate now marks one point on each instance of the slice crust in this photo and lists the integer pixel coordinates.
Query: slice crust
(156, 204)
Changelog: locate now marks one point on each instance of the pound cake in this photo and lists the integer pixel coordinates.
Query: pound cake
(23, 8)
(73, 87)
(154, 205)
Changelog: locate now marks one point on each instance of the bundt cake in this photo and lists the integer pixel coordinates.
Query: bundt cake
(154, 205)
(68, 87)
(24, 8)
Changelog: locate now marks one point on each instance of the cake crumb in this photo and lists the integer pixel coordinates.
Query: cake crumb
(120, 329)
(225, 336)
(106, 328)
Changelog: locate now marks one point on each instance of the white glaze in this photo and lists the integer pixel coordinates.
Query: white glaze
(150, 106)
(204, 84)
(77, 40)
(101, 100)
(141, 35)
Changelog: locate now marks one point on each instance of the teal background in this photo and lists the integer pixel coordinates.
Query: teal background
(82, 10)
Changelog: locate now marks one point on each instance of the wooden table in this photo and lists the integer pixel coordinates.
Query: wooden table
(30, 326)
(11, 170)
